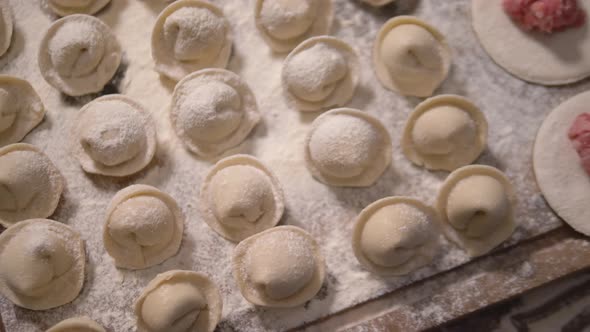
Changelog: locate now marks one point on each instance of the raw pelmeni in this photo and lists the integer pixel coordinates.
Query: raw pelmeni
(77, 324)
(6, 26)
(69, 7)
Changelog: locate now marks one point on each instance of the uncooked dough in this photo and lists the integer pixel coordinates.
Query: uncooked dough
(559, 172)
(69, 7)
(411, 57)
(280, 267)
(21, 109)
(213, 110)
(283, 24)
(114, 135)
(396, 235)
(476, 204)
(240, 197)
(41, 264)
(320, 73)
(77, 324)
(30, 184)
(444, 133)
(143, 227)
(6, 26)
(347, 148)
(179, 301)
(190, 35)
(550, 59)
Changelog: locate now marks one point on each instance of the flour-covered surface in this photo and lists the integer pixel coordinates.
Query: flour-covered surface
(514, 109)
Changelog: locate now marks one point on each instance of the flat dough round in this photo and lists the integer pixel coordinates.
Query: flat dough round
(347, 148)
(143, 227)
(283, 24)
(178, 301)
(281, 267)
(79, 54)
(190, 35)
(444, 133)
(240, 197)
(411, 57)
(559, 172)
(320, 73)
(30, 184)
(476, 204)
(41, 264)
(213, 110)
(77, 324)
(6, 26)
(395, 236)
(549, 59)
(114, 135)
(69, 7)
(21, 109)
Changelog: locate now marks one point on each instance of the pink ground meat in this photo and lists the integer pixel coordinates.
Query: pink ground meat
(579, 134)
(545, 15)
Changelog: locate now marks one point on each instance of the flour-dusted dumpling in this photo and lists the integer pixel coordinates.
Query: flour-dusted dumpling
(396, 235)
(41, 264)
(79, 54)
(241, 197)
(30, 184)
(190, 35)
(280, 267)
(213, 110)
(411, 57)
(143, 227)
(444, 133)
(77, 324)
(21, 109)
(6, 26)
(69, 7)
(114, 135)
(179, 301)
(476, 204)
(347, 148)
(322, 72)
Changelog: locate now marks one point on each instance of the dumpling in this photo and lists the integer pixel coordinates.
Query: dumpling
(411, 57)
(241, 197)
(77, 324)
(476, 204)
(444, 133)
(79, 54)
(281, 267)
(6, 26)
(41, 264)
(30, 184)
(143, 227)
(395, 236)
(69, 7)
(284, 24)
(213, 110)
(190, 35)
(378, 3)
(179, 301)
(21, 109)
(114, 135)
(347, 148)
(322, 72)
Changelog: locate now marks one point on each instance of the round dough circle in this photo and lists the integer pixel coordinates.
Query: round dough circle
(21, 109)
(77, 324)
(164, 55)
(549, 59)
(90, 8)
(312, 58)
(241, 188)
(37, 235)
(6, 26)
(28, 180)
(127, 217)
(281, 246)
(326, 125)
(229, 131)
(418, 81)
(462, 149)
(167, 289)
(485, 176)
(558, 170)
(321, 24)
(92, 115)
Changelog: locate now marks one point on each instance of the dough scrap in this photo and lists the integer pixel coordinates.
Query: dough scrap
(69, 7)
(77, 324)
(6, 26)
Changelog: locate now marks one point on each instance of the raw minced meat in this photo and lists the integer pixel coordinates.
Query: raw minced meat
(545, 15)
(579, 134)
